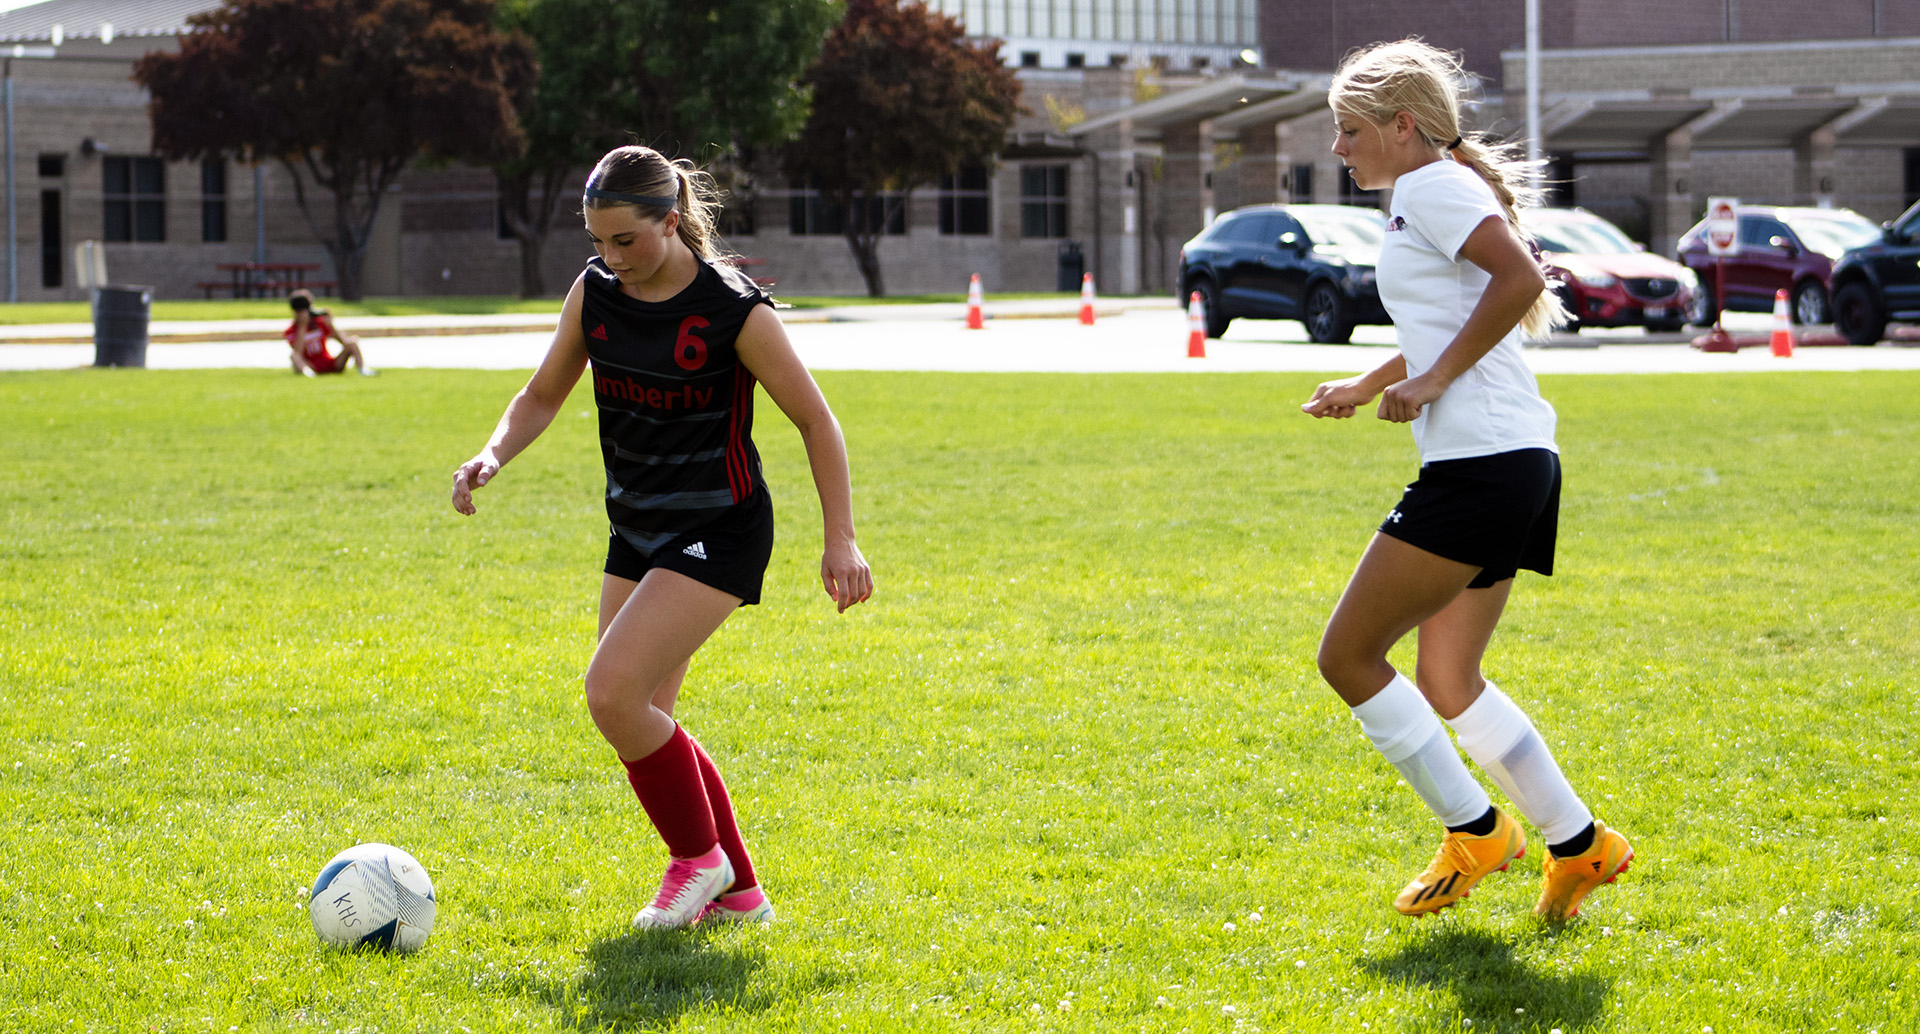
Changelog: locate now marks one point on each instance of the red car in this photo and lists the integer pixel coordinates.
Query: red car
(1777, 249)
(1606, 278)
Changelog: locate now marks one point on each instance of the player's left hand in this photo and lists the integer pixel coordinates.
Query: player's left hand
(1403, 401)
(845, 575)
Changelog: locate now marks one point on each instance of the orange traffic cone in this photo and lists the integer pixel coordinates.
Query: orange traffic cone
(1782, 328)
(1086, 299)
(975, 319)
(1196, 328)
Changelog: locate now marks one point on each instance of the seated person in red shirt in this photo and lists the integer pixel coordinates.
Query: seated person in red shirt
(307, 336)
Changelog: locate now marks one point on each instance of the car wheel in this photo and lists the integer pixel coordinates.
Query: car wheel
(1809, 304)
(1857, 314)
(1329, 316)
(1701, 311)
(1210, 307)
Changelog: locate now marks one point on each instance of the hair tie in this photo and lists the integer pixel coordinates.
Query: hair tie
(1457, 141)
(632, 199)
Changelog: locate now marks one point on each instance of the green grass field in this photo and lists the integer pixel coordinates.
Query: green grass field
(1071, 770)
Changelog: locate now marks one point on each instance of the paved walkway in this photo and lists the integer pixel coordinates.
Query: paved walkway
(1130, 335)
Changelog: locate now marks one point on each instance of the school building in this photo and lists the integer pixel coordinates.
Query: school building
(1145, 118)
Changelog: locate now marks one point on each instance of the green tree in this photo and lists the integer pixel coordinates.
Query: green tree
(348, 93)
(701, 81)
(900, 98)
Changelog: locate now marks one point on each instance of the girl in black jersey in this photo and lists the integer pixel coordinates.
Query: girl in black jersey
(677, 344)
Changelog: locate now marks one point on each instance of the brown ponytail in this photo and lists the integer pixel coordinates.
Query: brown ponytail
(645, 172)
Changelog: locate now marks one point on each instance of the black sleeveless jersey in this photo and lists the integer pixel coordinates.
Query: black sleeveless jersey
(676, 406)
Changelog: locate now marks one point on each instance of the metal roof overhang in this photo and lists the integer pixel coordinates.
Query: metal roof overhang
(1209, 100)
(1728, 120)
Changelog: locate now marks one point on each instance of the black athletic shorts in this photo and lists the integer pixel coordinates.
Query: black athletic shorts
(729, 554)
(1499, 513)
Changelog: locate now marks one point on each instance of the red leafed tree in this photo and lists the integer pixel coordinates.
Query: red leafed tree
(345, 93)
(900, 98)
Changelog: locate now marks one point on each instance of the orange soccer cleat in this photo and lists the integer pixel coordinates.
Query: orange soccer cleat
(1460, 864)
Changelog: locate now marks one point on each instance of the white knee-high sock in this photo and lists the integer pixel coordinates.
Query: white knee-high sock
(1497, 735)
(1407, 732)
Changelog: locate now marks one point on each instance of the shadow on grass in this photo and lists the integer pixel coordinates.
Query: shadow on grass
(1488, 983)
(646, 980)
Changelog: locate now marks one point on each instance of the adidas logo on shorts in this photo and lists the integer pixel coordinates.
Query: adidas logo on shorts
(698, 551)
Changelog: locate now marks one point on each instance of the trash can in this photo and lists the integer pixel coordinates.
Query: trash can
(120, 325)
(1073, 265)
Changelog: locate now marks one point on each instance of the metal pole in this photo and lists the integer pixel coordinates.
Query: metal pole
(259, 214)
(1533, 92)
(13, 237)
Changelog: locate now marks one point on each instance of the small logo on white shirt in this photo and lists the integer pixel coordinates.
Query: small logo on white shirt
(1396, 224)
(698, 551)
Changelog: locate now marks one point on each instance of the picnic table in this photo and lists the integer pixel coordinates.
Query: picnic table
(264, 279)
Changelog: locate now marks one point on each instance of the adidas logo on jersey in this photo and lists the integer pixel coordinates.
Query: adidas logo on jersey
(599, 333)
(698, 551)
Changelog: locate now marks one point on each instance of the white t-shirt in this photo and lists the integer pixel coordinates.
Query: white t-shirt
(1429, 291)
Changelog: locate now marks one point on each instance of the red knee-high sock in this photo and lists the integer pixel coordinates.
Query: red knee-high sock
(669, 785)
(724, 823)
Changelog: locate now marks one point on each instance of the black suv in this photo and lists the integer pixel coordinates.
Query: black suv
(1874, 283)
(1312, 263)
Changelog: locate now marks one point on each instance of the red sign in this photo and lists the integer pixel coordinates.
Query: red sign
(1723, 225)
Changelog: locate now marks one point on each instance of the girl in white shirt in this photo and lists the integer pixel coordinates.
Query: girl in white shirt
(1462, 285)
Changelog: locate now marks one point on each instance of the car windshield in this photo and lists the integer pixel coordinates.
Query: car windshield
(1578, 236)
(1342, 227)
(1831, 234)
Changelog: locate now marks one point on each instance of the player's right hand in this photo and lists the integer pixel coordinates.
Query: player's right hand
(1337, 399)
(474, 473)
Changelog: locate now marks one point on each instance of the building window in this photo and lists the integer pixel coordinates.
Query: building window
(213, 201)
(1029, 59)
(1043, 201)
(1300, 184)
(1353, 195)
(1076, 60)
(135, 192)
(965, 205)
(1912, 161)
(810, 215)
(53, 166)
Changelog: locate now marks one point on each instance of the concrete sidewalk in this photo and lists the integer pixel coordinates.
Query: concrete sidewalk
(1145, 336)
(206, 331)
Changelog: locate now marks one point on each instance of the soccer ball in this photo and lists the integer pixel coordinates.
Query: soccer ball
(372, 896)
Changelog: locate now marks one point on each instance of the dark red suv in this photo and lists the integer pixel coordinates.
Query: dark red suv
(1606, 278)
(1777, 249)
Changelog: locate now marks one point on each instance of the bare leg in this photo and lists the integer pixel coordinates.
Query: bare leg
(644, 649)
(1452, 643)
(1396, 588)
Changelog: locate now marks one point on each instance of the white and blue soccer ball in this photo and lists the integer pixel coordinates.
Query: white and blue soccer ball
(373, 896)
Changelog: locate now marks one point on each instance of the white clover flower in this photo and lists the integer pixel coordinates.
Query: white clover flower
(1228, 927)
